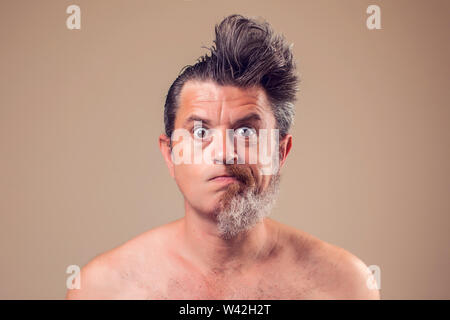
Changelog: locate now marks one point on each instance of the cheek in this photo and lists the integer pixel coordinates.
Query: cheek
(194, 188)
(256, 173)
(189, 180)
(261, 151)
(262, 180)
(185, 175)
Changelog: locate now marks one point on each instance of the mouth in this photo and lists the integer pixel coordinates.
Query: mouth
(224, 179)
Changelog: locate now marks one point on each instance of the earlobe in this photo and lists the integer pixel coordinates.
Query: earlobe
(164, 146)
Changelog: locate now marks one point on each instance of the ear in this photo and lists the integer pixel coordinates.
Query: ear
(164, 146)
(285, 147)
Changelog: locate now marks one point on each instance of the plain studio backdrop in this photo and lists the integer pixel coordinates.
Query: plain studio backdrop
(81, 112)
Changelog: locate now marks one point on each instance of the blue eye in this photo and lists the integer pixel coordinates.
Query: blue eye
(245, 131)
(200, 132)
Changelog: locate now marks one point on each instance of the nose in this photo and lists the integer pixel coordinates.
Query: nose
(226, 154)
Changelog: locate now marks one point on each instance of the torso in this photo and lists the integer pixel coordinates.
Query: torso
(291, 271)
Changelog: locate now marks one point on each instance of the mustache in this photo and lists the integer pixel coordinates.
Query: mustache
(242, 173)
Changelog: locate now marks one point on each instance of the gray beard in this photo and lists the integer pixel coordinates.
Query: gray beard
(247, 209)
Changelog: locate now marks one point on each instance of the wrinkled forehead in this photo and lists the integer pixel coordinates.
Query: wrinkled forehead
(221, 104)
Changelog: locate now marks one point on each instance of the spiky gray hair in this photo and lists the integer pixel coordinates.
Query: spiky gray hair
(246, 53)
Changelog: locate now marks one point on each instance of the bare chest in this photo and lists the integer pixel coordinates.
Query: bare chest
(267, 284)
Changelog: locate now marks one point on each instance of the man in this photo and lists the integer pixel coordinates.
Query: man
(225, 246)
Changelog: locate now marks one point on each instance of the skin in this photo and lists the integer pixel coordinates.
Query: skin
(188, 259)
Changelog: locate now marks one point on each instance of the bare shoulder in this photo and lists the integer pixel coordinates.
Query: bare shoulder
(335, 272)
(99, 279)
(120, 273)
(346, 275)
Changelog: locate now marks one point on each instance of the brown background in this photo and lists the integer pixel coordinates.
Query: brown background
(81, 111)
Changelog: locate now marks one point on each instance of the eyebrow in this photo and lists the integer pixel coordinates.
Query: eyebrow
(250, 117)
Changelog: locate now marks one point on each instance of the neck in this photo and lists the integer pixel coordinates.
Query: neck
(213, 254)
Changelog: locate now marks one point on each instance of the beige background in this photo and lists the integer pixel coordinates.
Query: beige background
(81, 111)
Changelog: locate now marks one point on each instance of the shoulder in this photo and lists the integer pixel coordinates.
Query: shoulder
(335, 272)
(120, 272)
(348, 277)
(99, 279)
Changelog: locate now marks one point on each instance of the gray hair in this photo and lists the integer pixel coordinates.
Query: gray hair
(246, 53)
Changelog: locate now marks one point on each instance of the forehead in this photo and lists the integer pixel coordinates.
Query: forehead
(221, 103)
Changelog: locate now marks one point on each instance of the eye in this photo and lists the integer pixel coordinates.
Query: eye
(245, 131)
(200, 132)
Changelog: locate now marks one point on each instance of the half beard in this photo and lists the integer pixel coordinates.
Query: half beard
(241, 209)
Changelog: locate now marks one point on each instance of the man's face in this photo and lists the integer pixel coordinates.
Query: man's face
(206, 110)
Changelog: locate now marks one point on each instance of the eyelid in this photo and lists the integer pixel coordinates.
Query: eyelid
(246, 126)
(196, 127)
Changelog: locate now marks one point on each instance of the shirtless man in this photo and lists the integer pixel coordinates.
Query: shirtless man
(226, 246)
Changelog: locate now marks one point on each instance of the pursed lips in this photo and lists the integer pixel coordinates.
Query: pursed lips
(224, 178)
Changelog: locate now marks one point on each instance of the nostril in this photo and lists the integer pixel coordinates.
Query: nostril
(231, 159)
